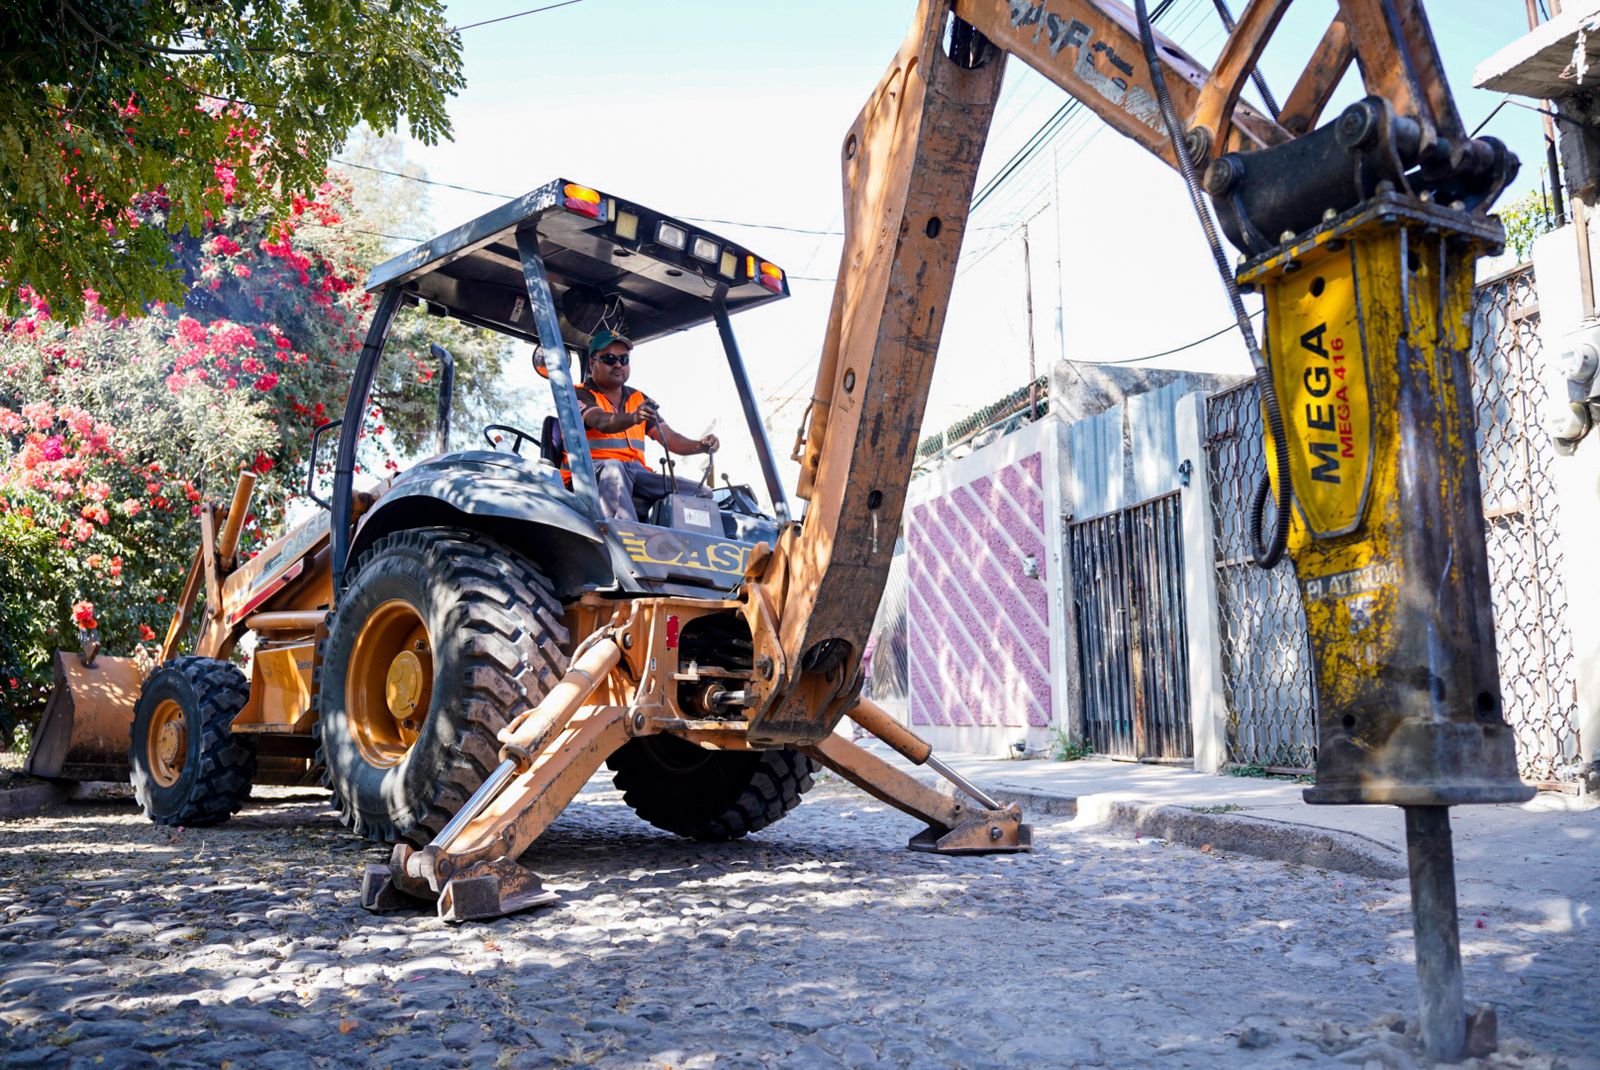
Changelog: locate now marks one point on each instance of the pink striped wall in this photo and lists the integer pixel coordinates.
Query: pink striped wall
(978, 629)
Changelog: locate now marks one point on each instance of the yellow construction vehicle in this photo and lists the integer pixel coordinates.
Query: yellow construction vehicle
(401, 640)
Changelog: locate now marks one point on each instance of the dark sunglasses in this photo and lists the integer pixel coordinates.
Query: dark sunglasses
(612, 359)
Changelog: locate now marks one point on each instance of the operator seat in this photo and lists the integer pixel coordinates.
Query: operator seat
(552, 449)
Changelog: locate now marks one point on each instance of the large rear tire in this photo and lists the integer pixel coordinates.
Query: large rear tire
(188, 768)
(440, 639)
(708, 795)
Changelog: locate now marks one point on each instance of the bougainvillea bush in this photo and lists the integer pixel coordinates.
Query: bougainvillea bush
(113, 431)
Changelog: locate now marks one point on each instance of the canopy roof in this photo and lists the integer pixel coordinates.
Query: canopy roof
(617, 247)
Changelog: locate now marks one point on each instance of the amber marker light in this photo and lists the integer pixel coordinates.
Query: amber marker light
(582, 199)
(771, 277)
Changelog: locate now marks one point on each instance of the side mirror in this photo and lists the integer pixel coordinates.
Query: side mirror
(311, 466)
(447, 387)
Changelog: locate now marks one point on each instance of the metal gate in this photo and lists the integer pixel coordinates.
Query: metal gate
(1133, 654)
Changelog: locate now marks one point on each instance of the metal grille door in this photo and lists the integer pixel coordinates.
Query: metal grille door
(1133, 657)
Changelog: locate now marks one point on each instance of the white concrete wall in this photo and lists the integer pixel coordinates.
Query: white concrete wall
(1555, 260)
(986, 641)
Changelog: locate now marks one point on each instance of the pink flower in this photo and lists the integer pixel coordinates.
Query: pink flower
(51, 448)
(267, 381)
(83, 616)
(39, 414)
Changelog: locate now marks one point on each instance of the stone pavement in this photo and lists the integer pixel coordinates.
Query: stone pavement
(819, 942)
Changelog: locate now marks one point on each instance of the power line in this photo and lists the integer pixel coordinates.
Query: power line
(485, 192)
(517, 15)
(423, 181)
(1174, 349)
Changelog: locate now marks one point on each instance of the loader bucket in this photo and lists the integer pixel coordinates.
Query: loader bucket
(87, 723)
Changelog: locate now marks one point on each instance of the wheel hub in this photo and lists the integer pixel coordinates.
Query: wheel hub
(389, 682)
(168, 743)
(403, 687)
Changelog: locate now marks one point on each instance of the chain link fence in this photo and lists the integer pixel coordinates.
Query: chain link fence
(1520, 516)
(1266, 660)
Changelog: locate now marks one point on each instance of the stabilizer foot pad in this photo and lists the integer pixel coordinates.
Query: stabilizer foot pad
(491, 890)
(981, 834)
(381, 895)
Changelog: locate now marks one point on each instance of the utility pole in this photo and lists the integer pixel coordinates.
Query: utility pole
(1033, 372)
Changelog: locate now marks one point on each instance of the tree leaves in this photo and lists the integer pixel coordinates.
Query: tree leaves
(211, 106)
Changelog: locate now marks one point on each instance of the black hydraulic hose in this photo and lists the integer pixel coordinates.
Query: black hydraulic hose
(1268, 555)
(1256, 76)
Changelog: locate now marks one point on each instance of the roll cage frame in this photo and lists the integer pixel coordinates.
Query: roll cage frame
(399, 281)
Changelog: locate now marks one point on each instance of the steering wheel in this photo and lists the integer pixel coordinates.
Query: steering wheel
(516, 446)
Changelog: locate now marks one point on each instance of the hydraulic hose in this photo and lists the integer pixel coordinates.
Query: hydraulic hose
(1269, 554)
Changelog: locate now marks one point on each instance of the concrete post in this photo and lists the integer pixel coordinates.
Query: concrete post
(1208, 708)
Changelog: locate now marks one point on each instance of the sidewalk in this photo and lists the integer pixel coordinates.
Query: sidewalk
(1542, 855)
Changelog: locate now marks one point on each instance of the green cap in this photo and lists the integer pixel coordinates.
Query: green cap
(605, 337)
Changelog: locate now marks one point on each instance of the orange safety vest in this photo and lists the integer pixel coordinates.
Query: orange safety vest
(624, 446)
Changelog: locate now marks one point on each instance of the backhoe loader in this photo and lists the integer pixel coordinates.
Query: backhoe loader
(485, 640)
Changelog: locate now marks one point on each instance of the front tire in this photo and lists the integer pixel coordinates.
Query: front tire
(188, 768)
(441, 638)
(707, 795)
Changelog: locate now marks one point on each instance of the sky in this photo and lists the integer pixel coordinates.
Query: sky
(736, 111)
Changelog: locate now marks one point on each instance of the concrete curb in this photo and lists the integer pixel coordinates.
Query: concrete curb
(1261, 837)
(1283, 841)
(20, 802)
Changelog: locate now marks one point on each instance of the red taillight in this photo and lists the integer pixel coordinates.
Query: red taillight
(582, 199)
(771, 277)
(672, 632)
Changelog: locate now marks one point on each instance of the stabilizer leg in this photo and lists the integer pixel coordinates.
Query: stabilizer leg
(470, 870)
(953, 826)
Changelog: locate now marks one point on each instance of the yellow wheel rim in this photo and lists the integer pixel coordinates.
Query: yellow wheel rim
(167, 743)
(390, 680)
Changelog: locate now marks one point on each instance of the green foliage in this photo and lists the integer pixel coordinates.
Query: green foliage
(1065, 747)
(1261, 772)
(36, 588)
(116, 112)
(1525, 220)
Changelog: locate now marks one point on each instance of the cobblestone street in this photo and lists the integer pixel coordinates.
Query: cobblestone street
(820, 942)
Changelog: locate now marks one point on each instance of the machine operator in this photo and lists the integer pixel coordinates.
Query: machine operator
(616, 419)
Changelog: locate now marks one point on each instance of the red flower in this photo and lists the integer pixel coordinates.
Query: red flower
(146, 633)
(83, 616)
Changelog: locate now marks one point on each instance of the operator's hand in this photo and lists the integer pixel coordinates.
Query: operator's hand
(710, 444)
(646, 413)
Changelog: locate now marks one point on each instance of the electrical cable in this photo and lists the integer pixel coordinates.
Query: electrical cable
(507, 197)
(515, 15)
(1266, 555)
(1175, 349)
